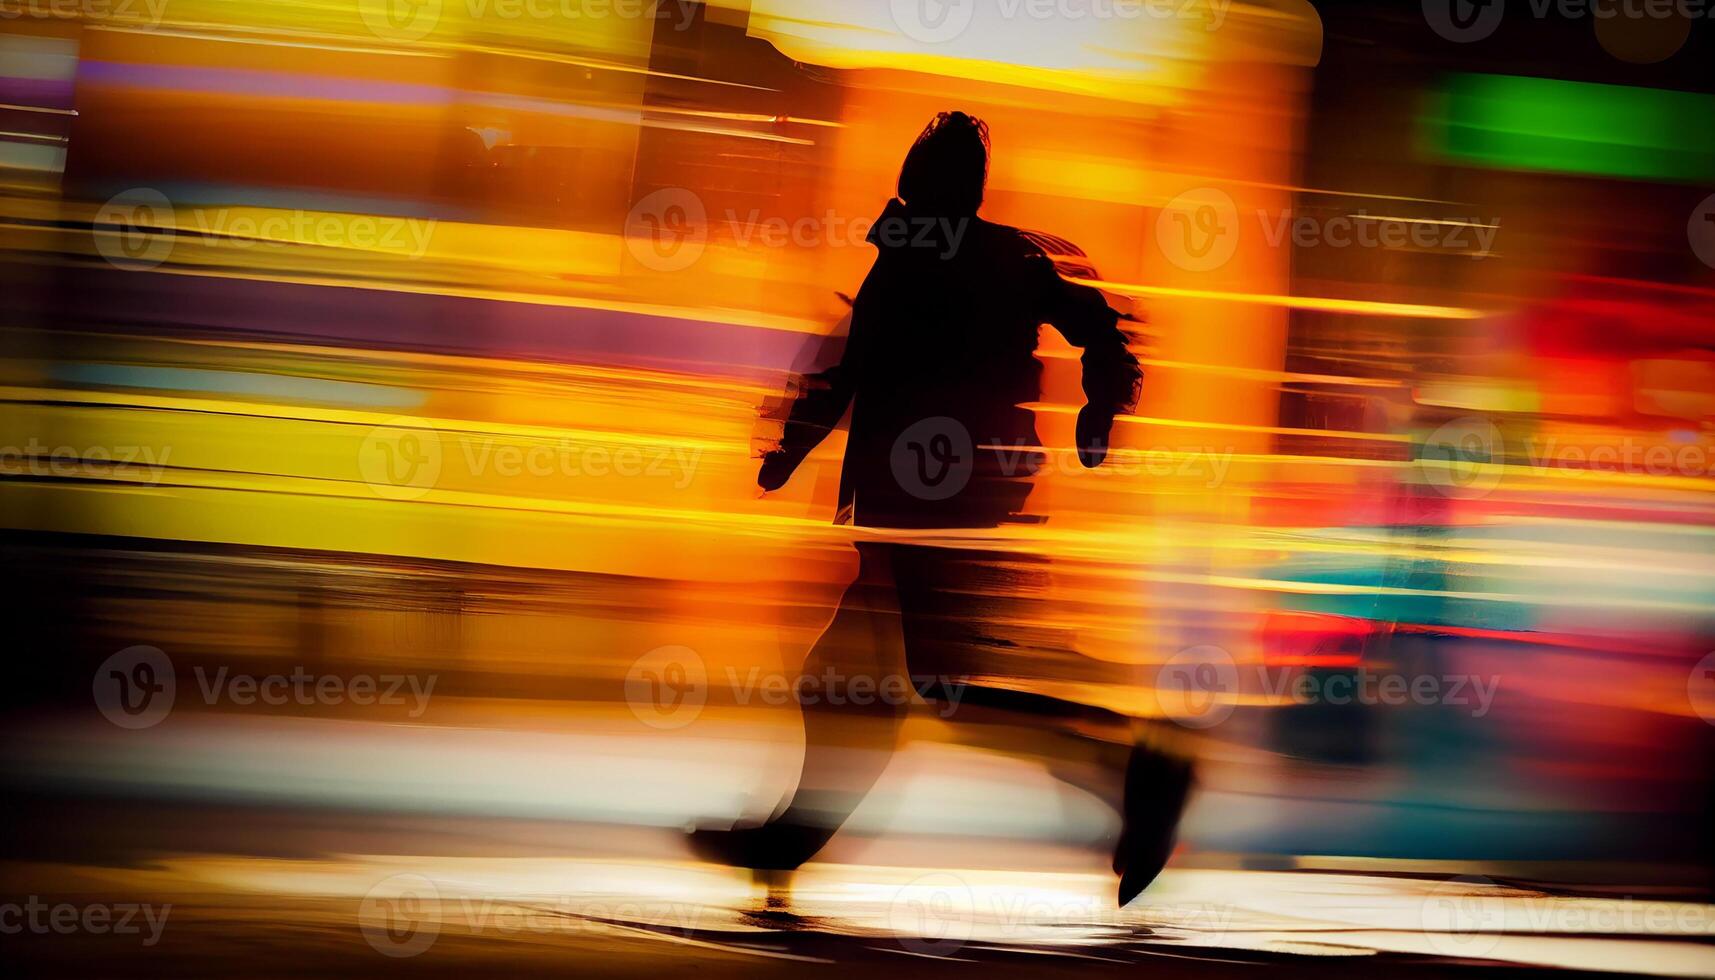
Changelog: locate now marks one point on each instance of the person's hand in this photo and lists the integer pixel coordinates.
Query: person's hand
(776, 470)
(1093, 428)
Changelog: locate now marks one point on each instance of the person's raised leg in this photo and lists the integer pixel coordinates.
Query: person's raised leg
(955, 607)
(1139, 769)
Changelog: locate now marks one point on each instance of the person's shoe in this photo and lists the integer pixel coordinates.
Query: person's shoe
(1156, 788)
(776, 846)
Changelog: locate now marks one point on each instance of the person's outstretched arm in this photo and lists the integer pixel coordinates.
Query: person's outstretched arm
(1112, 376)
(821, 402)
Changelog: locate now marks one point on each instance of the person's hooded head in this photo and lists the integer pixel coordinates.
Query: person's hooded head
(947, 168)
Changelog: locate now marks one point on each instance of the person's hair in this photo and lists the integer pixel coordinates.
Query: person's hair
(946, 169)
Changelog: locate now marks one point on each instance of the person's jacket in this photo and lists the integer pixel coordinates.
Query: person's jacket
(940, 358)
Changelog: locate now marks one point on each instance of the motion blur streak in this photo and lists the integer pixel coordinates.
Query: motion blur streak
(430, 347)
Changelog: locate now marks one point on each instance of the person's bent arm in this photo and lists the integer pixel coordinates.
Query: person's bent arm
(1112, 375)
(822, 400)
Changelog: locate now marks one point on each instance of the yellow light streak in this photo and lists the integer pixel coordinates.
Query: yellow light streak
(1355, 307)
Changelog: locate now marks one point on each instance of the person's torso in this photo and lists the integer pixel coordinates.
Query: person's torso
(938, 436)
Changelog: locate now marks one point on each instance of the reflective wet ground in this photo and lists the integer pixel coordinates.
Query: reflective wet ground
(301, 904)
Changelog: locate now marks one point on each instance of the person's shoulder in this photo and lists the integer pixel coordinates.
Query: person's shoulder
(1014, 243)
(996, 232)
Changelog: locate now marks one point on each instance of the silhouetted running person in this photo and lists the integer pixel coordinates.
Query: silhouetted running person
(940, 357)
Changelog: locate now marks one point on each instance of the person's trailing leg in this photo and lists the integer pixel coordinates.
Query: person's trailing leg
(847, 741)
